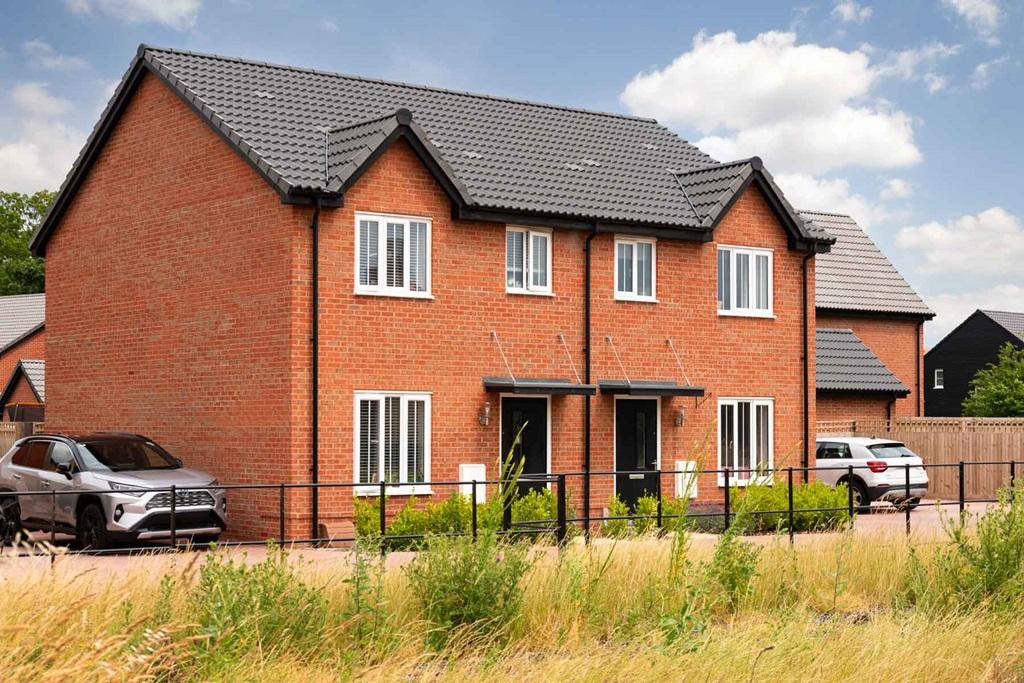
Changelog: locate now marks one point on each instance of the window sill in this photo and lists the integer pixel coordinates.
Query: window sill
(371, 490)
(742, 483)
(637, 299)
(394, 295)
(528, 292)
(745, 314)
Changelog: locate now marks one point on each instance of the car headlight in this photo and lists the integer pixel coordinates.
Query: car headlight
(126, 489)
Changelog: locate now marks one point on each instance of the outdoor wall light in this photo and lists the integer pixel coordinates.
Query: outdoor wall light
(485, 414)
(680, 415)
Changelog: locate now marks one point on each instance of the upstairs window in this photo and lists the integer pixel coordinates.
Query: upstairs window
(940, 379)
(528, 261)
(745, 281)
(393, 442)
(635, 269)
(392, 255)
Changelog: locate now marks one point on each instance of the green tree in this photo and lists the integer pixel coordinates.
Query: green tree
(20, 214)
(998, 390)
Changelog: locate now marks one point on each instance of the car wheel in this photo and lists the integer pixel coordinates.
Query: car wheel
(907, 503)
(861, 503)
(10, 520)
(92, 528)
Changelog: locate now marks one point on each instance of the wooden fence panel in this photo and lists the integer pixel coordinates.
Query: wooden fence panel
(947, 442)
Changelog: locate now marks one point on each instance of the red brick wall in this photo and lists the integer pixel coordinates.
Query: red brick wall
(833, 407)
(169, 303)
(443, 344)
(30, 348)
(895, 343)
(179, 306)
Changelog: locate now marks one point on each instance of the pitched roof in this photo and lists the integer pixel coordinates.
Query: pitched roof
(856, 276)
(34, 372)
(303, 130)
(20, 316)
(844, 363)
(1012, 322)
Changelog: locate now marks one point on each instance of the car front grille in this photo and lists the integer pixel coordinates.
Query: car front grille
(181, 499)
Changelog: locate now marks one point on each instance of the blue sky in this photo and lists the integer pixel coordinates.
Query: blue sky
(905, 115)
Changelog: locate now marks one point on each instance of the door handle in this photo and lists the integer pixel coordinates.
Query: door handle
(16, 476)
(45, 484)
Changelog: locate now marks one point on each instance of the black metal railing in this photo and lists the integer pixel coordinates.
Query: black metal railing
(559, 527)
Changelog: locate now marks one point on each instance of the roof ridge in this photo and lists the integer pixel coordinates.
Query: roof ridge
(718, 165)
(996, 310)
(417, 86)
(364, 122)
(14, 296)
(827, 213)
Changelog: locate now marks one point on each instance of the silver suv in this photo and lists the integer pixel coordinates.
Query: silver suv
(99, 488)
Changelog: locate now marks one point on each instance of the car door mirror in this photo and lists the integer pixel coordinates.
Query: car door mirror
(65, 469)
(178, 462)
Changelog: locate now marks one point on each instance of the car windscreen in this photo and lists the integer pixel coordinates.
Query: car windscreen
(118, 456)
(891, 450)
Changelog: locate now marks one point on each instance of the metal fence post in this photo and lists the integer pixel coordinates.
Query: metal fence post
(906, 503)
(280, 512)
(726, 511)
(53, 517)
(383, 515)
(962, 496)
(174, 516)
(660, 518)
(562, 531)
(473, 501)
(789, 483)
(1013, 474)
(849, 491)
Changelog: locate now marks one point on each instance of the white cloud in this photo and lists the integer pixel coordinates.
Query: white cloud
(42, 54)
(953, 309)
(989, 243)
(935, 82)
(329, 25)
(896, 188)
(43, 149)
(35, 99)
(984, 16)
(982, 74)
(180, 14)
(849, 11)
(805, 192)
(772, 97)
(906, 64)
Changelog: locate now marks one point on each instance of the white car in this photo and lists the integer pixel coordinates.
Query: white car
(879, 469)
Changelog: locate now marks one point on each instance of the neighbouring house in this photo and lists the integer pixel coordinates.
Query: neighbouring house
(293, 275)
(24, 396)
(852, 383)
(951, 364)
(858, 289)
(22, 337)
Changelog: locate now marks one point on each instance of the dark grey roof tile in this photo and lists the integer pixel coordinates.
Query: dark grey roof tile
(1011, 321)
(19, 315)
(844, 363)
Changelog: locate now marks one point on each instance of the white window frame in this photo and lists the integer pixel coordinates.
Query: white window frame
(746, 478)
(528, 235)
(402, 489)
(381, 288)
(751, 310)
(632, 295)
(939, 378)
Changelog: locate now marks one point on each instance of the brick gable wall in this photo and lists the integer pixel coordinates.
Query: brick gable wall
(895, 342)
(30, 348)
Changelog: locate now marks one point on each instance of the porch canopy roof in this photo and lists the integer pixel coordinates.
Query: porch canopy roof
(647, 388)
(537, 386)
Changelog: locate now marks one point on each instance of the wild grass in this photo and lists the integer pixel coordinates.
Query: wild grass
(832, 607)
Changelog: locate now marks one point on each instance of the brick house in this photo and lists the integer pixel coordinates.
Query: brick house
(22, 338)
(437, 268)
(859, 290)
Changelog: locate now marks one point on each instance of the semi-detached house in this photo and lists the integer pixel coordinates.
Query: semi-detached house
(290, 275)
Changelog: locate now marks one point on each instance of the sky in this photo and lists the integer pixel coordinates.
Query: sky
(905, 115)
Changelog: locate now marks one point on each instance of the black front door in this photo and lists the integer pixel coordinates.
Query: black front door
(527, 419)
(636, 448)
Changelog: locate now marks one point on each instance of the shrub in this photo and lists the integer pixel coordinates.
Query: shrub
(468, 589)
(752, 503)
(646, 512)
(732, 569)
(983, 567)
(241, 607)
(616, 528)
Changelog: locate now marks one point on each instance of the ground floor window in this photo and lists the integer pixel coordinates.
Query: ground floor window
(745, 437)
(392, 441)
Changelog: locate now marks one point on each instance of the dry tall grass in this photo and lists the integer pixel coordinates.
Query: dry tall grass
(824, 610)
